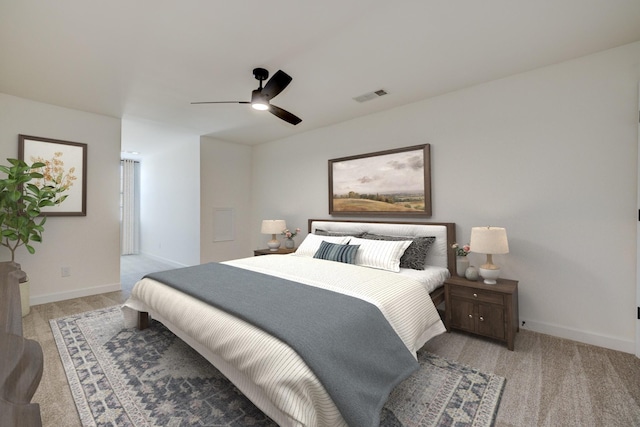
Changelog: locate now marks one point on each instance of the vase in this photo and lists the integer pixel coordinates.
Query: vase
(289, 243)
(462, 263)
(471, 273)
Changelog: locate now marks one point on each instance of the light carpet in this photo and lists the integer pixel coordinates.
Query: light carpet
(127, 377)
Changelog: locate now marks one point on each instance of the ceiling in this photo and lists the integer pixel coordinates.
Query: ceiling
(149, 59)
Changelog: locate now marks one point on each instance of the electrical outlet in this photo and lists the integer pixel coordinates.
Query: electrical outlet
(65, 271)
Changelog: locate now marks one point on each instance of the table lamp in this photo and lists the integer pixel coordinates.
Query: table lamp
(273, 227)
(489, 241)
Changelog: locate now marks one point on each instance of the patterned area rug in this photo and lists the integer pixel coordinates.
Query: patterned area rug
(126, 377)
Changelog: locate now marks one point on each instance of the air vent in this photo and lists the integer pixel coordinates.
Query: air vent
(371, 95)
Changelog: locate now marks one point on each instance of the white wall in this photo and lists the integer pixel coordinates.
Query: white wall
(225, 181)
(88, 245)
(169, 191)
(550, 154)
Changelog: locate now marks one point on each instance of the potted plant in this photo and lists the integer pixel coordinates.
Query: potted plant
(21, 201)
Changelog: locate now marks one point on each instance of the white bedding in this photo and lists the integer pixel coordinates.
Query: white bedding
(269, 372)
(431, 277)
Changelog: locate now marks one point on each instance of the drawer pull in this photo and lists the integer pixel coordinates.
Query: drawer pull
(475, 295)
(471, 316)
(481, 319)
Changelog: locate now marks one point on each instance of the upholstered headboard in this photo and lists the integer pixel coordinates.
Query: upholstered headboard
(440, 254)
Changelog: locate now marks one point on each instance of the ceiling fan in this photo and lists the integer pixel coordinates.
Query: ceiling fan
(260, 97)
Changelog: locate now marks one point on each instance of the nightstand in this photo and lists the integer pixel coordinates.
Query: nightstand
(487, 310)
(280, 251)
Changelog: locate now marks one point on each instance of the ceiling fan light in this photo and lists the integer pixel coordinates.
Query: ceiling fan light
(258, 102)
(259, 106)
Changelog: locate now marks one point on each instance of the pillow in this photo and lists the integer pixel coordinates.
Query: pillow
(415, 255)
(321, 232)
(384, 255)
(336, 252)
(311, 244)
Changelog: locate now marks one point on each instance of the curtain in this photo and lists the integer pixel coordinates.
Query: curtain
(130, 217)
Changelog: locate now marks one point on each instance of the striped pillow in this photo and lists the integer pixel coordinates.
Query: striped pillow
(337, 252)
(381, 254)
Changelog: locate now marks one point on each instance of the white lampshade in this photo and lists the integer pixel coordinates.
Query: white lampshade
(489, 241)
(273, 227)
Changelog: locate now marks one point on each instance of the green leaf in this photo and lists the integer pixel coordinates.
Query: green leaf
(20, 203)
(14, 196)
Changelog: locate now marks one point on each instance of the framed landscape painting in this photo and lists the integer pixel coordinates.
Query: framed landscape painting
(65, 167)
(392, 183)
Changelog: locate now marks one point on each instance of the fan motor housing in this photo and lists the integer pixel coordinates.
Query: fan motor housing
(260, 74)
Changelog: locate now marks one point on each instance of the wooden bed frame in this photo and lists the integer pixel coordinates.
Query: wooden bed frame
(437, 295)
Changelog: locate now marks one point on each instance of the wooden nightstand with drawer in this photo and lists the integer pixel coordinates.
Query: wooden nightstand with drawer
(487, 310)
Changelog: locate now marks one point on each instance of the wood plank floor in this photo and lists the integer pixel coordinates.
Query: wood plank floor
(550, 381)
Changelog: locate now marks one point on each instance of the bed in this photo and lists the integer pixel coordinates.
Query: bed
(269, 368)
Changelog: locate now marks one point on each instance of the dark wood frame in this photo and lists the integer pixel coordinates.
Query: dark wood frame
(424, 149)
(437, 295)
(23, 141)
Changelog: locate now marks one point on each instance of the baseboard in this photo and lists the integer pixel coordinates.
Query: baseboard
(77, 293)
(164, 260)
(614, 343)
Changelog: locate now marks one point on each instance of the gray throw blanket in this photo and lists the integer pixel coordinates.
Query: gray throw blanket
(347, 342)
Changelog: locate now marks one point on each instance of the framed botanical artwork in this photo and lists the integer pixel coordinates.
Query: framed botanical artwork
(65, 167)
(392, 183)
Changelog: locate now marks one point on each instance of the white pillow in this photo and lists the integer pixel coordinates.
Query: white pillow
(311, 243)
(381, 254)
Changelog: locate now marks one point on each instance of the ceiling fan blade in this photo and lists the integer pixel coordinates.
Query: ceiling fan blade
(222, 102)
(284, 115)
(276, 84)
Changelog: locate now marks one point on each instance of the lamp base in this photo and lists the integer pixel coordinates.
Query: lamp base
(273, 244)
(489, 275)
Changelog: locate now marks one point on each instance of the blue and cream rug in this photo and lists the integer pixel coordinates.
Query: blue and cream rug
(125, 377)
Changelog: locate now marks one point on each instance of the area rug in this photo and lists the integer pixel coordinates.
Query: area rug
(127, 377)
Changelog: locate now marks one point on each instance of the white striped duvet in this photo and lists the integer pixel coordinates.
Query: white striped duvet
(270, 373)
